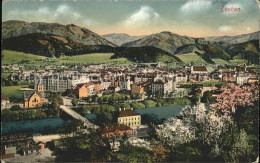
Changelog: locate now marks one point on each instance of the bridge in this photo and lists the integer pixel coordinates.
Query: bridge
(77, 116)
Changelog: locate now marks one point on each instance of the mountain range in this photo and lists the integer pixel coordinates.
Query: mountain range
(120, 38)
(52, 39)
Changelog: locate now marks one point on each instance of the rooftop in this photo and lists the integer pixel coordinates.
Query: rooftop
(199, 68)
(127, 112)
(115, 127)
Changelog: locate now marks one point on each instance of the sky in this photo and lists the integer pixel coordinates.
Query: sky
(197, 18)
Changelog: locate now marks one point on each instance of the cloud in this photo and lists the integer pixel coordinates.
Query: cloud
(62, 13)
(195, 6)
(143, 16)
(224, 28)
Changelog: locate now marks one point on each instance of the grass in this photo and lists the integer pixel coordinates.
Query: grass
(94, 58)
(238, 61)
(14, 91)
(13, 57)
(220, 61)
(191, 57)
(5, 75)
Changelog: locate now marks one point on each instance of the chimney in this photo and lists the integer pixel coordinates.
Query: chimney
(132, 108)
(124, 108)
(119, 109)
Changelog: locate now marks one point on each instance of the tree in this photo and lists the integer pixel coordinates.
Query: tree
(159, 153)
(130, 153)
(74, 101)
(197, 129)
(16, 108)
(233, 96)
(207, 97)
(57, 101)
(83, 147)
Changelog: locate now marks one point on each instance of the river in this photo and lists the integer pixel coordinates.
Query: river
(162, 112)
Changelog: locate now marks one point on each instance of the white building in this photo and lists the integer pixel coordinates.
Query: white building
(162, 87)
(5, 102)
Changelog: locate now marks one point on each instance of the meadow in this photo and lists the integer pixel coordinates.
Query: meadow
(191, 57)
(14, 92)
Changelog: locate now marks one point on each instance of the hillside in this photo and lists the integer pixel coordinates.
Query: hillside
(145, 54)
(247, 50)
(120, 38)
(50, 45)
(166, 41)
(72, 32)
(234, 39)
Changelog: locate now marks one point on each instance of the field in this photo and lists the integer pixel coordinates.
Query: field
(5, 75)
(94, 58)
(220, 61)
(14, 91)
(191, 57)
(13, 57)
(238, 61)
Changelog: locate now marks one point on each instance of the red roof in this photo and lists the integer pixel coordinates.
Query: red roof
(127, 112)
(199, 68)
(3, 97)
(115, 127)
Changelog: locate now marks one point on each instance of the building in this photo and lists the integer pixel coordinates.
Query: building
(81, 90)
(5, 102)
(124, 84)
(129, 118)
(198, 70)
(162, 87)
(253, 80)
(10, 142)
(242, 79)
(54, 83)
(34, 99)
(181, 78)
(137, 89)
(116, 130)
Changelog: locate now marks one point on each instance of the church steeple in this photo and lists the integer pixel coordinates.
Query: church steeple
(40, 88)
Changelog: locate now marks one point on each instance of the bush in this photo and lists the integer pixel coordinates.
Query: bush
(149, 103)
(137, 105)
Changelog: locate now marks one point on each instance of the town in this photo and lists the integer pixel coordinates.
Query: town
(114, 95)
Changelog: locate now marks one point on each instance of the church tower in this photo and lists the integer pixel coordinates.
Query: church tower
(40, 88)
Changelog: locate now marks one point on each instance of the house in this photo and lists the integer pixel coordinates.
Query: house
(181, 78)
(5, 102)
(241, 79)
(162, 87)
(228, 77)
(116, 130)
(129, 118)
(139, 88)
(198, 70)
(81, 90)
(253, 80)
(34, 99)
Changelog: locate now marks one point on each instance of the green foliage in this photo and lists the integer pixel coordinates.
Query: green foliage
(134, 154)
(82, 147)
(149, 103)
(57, 100)
(207, 97)
(137, 105)
(15, 108)
(14, 93)
(74, 101)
